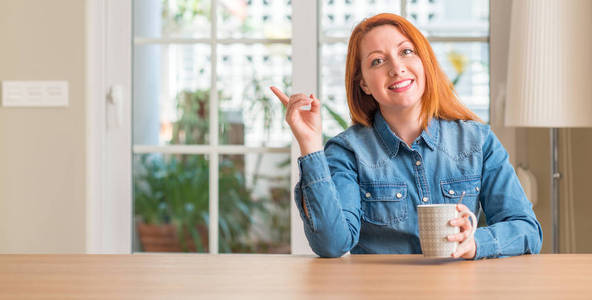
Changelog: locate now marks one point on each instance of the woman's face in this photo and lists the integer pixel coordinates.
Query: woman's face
(391, 70)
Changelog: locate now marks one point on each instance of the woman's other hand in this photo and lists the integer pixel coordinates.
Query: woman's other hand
(466, 248)
(305, 124)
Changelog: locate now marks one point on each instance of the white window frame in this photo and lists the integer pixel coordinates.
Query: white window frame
(109, 147)
(108, 181)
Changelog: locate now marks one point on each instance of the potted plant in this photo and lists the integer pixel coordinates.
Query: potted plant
(171, 192)
(170, 203)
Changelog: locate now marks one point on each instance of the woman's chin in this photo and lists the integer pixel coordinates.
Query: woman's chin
(398, 105)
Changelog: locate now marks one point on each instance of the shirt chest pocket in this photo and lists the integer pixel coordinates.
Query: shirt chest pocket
(452, 190)
(384, 203)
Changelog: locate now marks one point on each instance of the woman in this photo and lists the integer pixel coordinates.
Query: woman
(412, 143)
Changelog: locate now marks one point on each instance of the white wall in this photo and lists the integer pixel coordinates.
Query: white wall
(500, 11)
(42, 150)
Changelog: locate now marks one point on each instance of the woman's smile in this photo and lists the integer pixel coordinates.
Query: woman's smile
(401, 86)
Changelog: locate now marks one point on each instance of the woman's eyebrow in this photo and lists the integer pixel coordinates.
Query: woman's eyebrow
(379, 51)
(404, 41)
(375, 51)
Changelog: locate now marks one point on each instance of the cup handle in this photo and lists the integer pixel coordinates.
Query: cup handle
(472, 216)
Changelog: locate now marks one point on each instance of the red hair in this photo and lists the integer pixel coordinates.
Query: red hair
(439, 98)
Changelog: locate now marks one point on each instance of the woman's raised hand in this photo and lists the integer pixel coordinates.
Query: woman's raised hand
(305, 124)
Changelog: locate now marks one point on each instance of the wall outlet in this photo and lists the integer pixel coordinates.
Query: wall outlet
(34, 93)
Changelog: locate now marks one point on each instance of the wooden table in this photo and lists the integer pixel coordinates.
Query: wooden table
(202, 276)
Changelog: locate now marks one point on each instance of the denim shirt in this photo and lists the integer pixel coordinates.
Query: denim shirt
(363, 190)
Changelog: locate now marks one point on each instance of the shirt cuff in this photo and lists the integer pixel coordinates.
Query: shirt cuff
(313, 168)
(487, 245)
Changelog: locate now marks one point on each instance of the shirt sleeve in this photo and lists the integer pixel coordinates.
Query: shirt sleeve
(512, 225)
(330, 190)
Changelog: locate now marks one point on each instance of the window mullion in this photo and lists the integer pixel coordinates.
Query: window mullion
(304, 80)
(404, 8)
(214, 156)
(206, 149)
(248, 41)
(458, 39)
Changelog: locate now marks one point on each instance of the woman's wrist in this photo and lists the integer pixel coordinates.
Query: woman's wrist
(307, 151)
(310, 148)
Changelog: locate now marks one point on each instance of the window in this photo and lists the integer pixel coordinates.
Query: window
(211, 155)
(212, 159)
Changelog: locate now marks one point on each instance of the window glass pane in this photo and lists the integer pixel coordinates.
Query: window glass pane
(335, 112)
(450, 17)
(172, 18)
(254, 203)
(254, 19)
(171, 94)
(340, 16)
(170, 202)
(249, 112)
(467, 66)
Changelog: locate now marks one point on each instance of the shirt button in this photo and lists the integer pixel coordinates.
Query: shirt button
(451, 192)
(425, 199)
(418, 163)
(399, 195)
(368, 195)
(477, 188)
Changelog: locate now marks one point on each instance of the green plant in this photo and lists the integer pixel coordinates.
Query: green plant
(174, 189)
(170, 190)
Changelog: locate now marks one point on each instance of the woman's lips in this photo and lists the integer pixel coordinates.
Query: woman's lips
(401, 86)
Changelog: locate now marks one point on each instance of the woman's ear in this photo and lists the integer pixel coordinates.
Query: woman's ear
(364, 87)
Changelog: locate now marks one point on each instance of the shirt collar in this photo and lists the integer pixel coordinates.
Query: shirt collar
(432, 135)
(392, 142)
(389, 139)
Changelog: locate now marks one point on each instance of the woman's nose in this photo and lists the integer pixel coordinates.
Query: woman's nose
(396, 68)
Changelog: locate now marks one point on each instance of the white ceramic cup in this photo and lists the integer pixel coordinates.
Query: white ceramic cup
(434, 228)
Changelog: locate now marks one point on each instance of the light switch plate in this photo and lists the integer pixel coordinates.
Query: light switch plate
(34, 93)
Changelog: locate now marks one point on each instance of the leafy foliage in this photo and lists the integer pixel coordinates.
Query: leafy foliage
(174, 189)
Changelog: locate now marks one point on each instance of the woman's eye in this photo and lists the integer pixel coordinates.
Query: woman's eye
(407, 51)
(377, 61)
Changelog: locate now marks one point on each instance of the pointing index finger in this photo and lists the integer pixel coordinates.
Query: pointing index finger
(280, 95)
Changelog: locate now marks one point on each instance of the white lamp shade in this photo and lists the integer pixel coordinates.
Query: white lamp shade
(550, 64)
